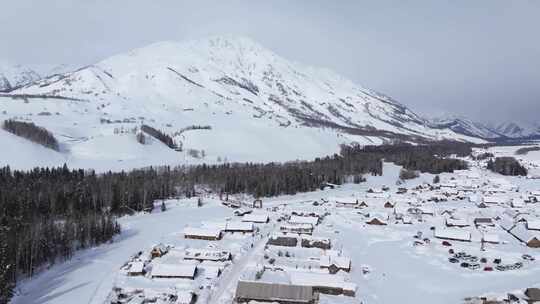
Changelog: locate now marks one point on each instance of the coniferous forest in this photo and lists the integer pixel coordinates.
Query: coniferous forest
(31, 132)
(506, 166)
(46, 214)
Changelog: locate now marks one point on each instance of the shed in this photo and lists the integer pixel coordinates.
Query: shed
(247, 291)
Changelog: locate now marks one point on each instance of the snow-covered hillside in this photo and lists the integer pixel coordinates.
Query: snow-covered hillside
(260, 107)
(15, 75)
(465, 126)
(518, 130)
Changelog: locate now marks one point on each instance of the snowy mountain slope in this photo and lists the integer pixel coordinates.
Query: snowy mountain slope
(518, 130)
(13, 76)
(260, 106)
(466, 126)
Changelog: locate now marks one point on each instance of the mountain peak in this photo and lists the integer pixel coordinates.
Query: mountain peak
(234, 74)
(15, 75)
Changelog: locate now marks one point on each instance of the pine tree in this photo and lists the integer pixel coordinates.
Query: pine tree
(6, 269)
(163, 207)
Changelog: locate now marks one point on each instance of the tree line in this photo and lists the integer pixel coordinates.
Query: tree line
(434, 158)
(507, 166)
(31, 132)
(159, 135)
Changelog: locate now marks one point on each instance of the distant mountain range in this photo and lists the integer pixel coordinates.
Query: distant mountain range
(501, 131)
(13, 76)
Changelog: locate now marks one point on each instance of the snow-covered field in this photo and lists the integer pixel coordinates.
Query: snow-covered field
(389, 264)
(86, 143)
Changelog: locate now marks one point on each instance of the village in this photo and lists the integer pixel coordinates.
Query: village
(348, 243)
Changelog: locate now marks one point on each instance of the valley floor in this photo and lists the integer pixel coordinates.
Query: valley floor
(386, 267)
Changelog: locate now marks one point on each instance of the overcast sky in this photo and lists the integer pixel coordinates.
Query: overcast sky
(478, 58)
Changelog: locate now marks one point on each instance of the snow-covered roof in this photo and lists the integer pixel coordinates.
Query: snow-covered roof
(205, 254)
(320, 280)
(136, 267)
(173, 270)
(184, 297)
(255, 218)
(210, 272)
(339, 261)
(239, 226)
(490, 238)
(521, 232)
(491, 199)
(267, 291)
(518, 203)
(457, 222)
(533, 225)
(453, 234)
(304, 220)
(407, 219)
(242, 211)
(427, 210)
(294, 226)
(203, 232)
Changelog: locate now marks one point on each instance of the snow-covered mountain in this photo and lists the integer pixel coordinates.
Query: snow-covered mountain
(15, 75)
(259, 105)
(518, 130)
(465, 126)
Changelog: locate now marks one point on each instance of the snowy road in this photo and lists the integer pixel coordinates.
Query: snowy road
(225, 290)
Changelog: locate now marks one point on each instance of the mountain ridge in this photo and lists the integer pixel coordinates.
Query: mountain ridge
(241, 63)
(254, 101)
